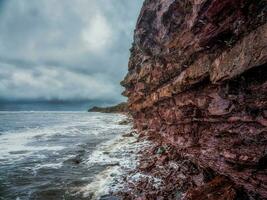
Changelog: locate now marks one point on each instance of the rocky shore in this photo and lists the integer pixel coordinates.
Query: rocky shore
(197, 88)
(119, 108)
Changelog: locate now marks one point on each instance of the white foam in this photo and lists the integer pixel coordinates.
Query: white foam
(156, 182)
(35, 169)
(11, 143)
(23, 141)
(49, 165)
(101, 184)
(106, 152)
(120, 152)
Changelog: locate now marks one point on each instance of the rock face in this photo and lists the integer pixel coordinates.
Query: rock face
(198, 80)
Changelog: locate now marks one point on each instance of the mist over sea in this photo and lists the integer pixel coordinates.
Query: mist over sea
(48, 155)
(52, 105)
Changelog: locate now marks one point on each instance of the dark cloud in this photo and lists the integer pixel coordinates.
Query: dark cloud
(65, 49)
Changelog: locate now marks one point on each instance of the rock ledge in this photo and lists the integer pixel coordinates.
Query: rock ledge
(197, 83)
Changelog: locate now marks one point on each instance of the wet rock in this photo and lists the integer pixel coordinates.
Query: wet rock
(76, 161)
(219, 188)
(125, 122)
(109, 197)
(197, 83)
(131, 134)
(161, 150)
(112, 164)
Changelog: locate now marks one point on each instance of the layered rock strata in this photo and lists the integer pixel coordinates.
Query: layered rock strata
(197, 81)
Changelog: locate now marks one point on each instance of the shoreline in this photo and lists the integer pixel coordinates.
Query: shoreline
(163, 173)
(121, 158)
(160, 174)
(74, 156)
(197, 86)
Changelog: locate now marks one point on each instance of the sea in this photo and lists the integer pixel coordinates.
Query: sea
(68, 155)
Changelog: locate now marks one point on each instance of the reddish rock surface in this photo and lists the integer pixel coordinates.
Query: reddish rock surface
(197, 82)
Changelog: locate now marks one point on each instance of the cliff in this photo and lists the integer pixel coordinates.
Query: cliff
(120, 108)
(197, 84)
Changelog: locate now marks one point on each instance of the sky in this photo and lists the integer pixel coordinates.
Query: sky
(65, 49)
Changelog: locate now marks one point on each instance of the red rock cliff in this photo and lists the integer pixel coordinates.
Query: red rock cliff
(197, 78)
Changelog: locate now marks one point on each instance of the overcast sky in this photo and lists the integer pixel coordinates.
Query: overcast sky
(65, 49)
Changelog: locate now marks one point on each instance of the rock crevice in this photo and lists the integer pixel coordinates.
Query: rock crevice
(197, 82)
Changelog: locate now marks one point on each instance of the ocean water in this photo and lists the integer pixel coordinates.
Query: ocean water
(63, 155)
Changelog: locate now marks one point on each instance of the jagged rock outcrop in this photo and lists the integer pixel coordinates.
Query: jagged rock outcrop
(198, 81)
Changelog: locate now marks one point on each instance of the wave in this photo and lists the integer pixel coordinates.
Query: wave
(119, 156)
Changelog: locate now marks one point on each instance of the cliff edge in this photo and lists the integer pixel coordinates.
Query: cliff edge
(197, 84)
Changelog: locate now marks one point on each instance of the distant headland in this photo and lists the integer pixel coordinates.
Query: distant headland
(119, 108)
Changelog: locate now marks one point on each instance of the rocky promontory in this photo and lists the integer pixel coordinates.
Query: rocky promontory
(119, 108)
(197, 88)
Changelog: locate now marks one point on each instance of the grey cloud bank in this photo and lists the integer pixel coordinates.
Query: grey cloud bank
(65, 49)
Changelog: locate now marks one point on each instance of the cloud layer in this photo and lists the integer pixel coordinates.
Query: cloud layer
(65, 49)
